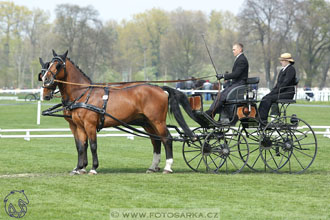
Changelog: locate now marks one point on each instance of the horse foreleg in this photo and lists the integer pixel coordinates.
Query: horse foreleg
(73, 129)
(81, 145)
(91, 132)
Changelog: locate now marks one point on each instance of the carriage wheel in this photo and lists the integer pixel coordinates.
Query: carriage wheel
(192, 151)
(30, 97)
(255, 161)
(289, 144)
(223, 149)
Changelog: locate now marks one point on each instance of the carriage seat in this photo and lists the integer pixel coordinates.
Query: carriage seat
(244, 93)
(294, 92)
(252, 80)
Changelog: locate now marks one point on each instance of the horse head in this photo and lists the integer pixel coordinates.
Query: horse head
(55, 69)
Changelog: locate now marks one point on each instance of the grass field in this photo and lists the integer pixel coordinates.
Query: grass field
(122, 182)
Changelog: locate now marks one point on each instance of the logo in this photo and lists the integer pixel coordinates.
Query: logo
(16, 204)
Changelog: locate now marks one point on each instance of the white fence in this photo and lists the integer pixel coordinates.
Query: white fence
(27, 133)
(106, 132)
(18, 91)
(319, 95)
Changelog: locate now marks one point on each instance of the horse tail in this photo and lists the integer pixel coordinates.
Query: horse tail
(175, 98)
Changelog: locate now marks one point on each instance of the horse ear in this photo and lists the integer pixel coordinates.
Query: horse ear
(65, 54)
(54, 53)
(41, 62)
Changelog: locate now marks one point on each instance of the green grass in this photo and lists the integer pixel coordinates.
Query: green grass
(122, 182)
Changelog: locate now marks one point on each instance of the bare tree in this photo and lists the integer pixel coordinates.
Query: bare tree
(183, 48)
(269, 23)
(74, 25)
(35, 28)
(313, 38)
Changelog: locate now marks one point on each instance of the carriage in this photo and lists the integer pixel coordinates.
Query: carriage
(286, 144)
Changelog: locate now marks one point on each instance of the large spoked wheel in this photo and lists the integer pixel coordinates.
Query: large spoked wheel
(255, 161)
(288, 143)
(192, 151)
(225, 150)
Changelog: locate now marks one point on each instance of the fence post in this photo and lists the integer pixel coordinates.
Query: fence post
(38, 112)
(328, 131)
(27, 138)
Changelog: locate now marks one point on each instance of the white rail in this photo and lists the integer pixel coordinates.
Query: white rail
(106, 132)
(319, 95)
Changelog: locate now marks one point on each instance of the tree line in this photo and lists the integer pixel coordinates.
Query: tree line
(166, 45)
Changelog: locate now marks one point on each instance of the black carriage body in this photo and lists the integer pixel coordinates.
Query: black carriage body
(286, 143)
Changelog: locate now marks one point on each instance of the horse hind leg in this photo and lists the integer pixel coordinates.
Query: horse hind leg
(166, 138)
(168, 143)
(157, 152)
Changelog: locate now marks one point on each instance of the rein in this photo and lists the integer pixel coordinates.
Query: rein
(116, 83)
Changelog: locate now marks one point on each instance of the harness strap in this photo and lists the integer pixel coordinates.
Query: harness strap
(52, 110)
(105, 102)
(89, 94)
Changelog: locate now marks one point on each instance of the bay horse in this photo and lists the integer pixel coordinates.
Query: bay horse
(142, 104)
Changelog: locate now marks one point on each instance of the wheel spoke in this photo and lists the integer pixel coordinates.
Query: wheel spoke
(234, 145)
(306, 144)
(273, 159)
(299, 150)
(239, 150)
(298, 161)
(190, 151)
(300, 138)
(235, 156)
(233, 163)
(253, 150)
(194, 146)
(213, 160)
(194, 157)
(256, 161)
(199, 163)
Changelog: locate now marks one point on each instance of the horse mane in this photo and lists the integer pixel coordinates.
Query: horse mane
(79, 69)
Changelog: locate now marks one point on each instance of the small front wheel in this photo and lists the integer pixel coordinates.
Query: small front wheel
(192, 150)
(225, 150)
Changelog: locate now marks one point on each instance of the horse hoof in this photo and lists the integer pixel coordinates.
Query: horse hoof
(74, 172)
(167, 171)
(82, 171)
(92, 172)
(150, 171)
(157, 169)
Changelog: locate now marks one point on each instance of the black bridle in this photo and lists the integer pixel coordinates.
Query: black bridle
(46, 68)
